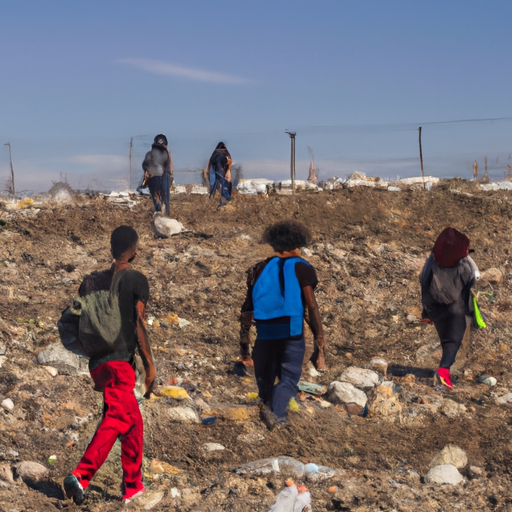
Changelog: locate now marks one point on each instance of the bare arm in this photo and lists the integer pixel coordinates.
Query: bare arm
(145, 349)
(245, 341)
(315, 322)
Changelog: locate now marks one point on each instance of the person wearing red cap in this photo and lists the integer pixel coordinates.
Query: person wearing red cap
(446, 281)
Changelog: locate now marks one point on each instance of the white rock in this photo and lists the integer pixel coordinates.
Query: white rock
(51, 370)
(6, 474)
(411, 319)
(63, 196)
(491, 275)
(346, 393)
(213, 447)
(360, 183)
(199, 189)
(452, 409)
(2, 360)
(256, 186)
(450, 454)
(419, 179)
(502, 185)
(287, 184)
(167, 227)
(475, 472)
(63, 360)
(490, 381)
(444, 474)
(378, 365)
(361, 378)
(31, 470)
(7, 404)
(505, 399)
(175, 493)
(183, 415)
(394, 189)
(179, 189)
(182, 323)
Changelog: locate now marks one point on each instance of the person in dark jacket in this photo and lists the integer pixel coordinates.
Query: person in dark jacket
(446, 281)
(113, 372)
(158, 173)
(218, 172)
(280, 293)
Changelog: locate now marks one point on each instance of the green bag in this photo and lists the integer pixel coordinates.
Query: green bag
(479, 320)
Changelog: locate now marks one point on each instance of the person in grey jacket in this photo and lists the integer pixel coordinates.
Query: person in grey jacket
(158, 173)
(446, 281)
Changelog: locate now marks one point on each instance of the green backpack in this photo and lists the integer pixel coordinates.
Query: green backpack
(91, 326)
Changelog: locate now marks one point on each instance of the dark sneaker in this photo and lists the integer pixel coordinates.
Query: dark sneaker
(281, 422)
(442, 378)
(268, 417)
(73, 489)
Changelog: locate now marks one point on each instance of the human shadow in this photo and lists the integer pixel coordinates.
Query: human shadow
(397, 370)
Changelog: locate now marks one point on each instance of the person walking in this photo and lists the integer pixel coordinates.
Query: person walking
(446, 281)
(112, 370)
(158, 173)
(218, 171)
(280, 294)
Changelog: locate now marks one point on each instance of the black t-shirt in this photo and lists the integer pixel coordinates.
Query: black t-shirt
(130, 286)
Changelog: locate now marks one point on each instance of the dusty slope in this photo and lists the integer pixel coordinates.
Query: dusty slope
(368, 250)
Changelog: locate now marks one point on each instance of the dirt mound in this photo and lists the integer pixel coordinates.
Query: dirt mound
(369, 248)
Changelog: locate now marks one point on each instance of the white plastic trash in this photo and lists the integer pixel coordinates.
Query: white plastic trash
(289, 500)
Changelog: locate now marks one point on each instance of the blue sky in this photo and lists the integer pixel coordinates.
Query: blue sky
(354, 79)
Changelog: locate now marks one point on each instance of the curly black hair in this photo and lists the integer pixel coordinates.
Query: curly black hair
(287, 235)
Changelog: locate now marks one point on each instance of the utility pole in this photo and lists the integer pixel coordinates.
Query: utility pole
(421, 158)
(131, 148)
(12, 171)
(292, 158)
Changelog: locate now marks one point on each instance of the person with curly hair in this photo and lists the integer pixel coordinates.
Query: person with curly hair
(280, 295)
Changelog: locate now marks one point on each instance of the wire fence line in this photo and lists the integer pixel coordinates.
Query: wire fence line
(451, 148)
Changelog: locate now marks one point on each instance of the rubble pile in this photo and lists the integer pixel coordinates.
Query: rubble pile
(371, 433)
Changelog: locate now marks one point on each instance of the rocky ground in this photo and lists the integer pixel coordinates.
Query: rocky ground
(369, 248)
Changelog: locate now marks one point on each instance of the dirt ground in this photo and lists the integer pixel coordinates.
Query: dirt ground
(368, 251)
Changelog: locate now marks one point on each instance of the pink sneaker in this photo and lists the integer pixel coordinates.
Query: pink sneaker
(442, 377)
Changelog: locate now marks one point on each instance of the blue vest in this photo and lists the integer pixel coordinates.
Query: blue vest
(276, 294)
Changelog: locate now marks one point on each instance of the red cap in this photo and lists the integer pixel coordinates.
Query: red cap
(450, 247)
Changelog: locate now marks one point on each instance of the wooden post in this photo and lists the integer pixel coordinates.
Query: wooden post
(292, 159)
(13, 190)
(130, 178)
(421, 158)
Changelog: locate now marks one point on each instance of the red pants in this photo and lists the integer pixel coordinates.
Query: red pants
(121, 418)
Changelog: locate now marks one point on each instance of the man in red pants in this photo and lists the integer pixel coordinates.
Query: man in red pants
(113, 372)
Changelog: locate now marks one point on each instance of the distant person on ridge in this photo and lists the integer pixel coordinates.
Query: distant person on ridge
(158, 173)
(218, 172)
(280, 290)
(112, 369)
(446, 281)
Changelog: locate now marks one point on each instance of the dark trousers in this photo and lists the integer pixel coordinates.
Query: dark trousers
(451, 329)
(282, 359)
(220, 183)
(159, 188)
